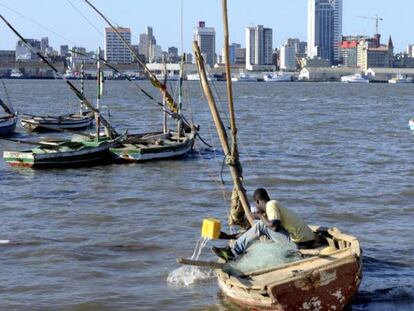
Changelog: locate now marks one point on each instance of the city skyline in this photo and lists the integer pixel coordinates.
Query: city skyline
(289, 20)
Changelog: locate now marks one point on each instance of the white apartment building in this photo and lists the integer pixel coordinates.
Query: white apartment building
(259, 46)
(115, 50)
(288, 57)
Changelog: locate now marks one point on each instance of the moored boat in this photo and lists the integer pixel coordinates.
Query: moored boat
(64, 154)
(356, 78)
(399, 78)
(277, 77)
(74, 122)
(244, 77)
(8, 120)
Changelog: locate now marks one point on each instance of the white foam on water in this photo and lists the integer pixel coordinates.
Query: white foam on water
(4, 241)
(187, 275)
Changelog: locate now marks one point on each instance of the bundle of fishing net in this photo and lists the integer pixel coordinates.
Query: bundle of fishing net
(263, 255)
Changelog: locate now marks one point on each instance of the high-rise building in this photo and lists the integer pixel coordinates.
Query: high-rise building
(206, 39)
(172, 55)
(259, 46)
(232, 53)
(115, 50)
(44, 44)
(64, 50)
(410, 50)
(146, 44)
(325, 29)
(288, 56)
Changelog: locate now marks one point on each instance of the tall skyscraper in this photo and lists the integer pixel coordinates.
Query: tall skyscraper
(206, 39)
(325, 29)
(259, 46)
(147, 44)
(115, 49)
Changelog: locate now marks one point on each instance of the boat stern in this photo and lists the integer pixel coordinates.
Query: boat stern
(19, 159)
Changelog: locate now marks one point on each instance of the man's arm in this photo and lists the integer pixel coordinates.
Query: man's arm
(271, 224)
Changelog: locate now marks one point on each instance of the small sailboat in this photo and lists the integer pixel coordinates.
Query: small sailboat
(325, 277)
(73, 121)
(8, 120)
(65, 153)
(165, 144)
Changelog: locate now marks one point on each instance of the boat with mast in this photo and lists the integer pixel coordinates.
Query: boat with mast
(165, 144)
(325, 277)
(65, 153)
(8, 119)
(73, 121)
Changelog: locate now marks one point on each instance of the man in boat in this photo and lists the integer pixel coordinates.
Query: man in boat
(274, 222)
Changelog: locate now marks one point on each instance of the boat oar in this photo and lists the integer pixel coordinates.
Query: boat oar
(198, 263)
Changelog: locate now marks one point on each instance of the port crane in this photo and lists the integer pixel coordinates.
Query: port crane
(376, 18)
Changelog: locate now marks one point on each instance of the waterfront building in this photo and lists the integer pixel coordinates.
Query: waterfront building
(64, 50)
(410, 50)
(115, 50)
(7, 56)
(240, 56)
(288, 57)
(24, 53)
(172, 55)
(206, 39)
(232, 53)
(44, 44)
(373, 54)
(319, 74)
(325, 29)
(259, 47)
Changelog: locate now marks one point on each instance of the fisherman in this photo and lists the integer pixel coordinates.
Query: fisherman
(274, 222)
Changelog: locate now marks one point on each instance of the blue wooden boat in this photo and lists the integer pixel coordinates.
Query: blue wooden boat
(7, 121)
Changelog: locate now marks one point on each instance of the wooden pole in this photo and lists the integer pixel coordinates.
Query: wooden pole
(235, 173)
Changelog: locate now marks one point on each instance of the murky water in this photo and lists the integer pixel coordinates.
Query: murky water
(106, 238)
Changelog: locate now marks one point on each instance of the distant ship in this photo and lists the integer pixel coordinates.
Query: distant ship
(277, 77)
(244, 77)
(356, 78)
(15, 73)
(196, 77)
(399, 78)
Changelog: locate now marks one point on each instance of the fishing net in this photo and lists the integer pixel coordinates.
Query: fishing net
(263, 255)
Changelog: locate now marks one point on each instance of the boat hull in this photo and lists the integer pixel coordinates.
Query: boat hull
(71, 122)
(7, 126)
(129, 153)
(63, 154)
(320, 283)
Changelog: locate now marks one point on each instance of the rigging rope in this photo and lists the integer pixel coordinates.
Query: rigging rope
(84, 17)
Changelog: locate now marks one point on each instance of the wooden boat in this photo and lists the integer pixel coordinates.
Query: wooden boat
(8, 121)
(73, 122)
(165, 144)
(153, 146)
(64, 153)
(55, 153)
(326, 279)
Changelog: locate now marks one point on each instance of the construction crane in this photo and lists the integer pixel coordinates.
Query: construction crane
(377, 19)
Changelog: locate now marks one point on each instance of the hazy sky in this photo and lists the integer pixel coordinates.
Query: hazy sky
(288, 18)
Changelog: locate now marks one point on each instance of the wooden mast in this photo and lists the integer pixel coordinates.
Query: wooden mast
(233, 163)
